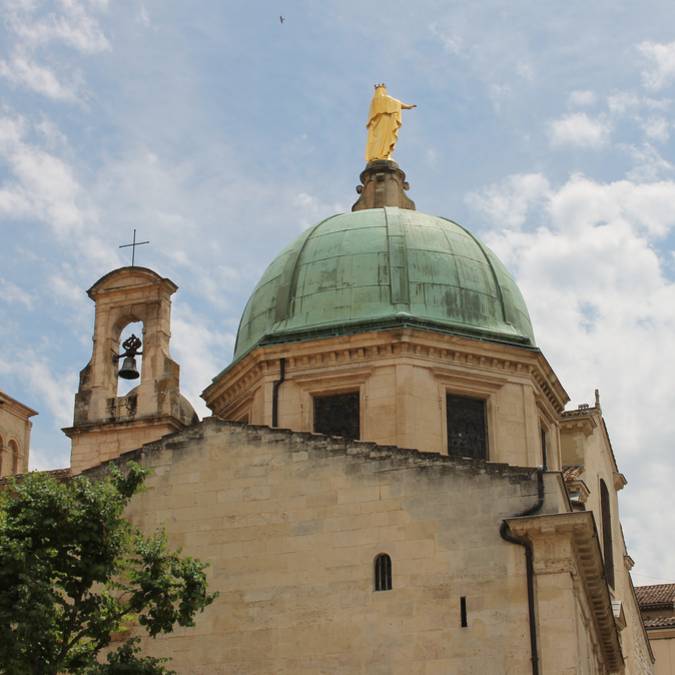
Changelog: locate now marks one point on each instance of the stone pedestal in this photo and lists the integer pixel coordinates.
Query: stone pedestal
(383, 183)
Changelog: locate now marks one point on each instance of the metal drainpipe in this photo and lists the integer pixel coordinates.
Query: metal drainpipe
(275, 392)
(529, 566)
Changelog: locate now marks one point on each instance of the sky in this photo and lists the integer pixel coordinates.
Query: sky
(221, 133)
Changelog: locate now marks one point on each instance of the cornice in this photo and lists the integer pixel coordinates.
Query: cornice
(582, 419)
(443, 351)
(111, 283)
(15, 407)
(118, 425)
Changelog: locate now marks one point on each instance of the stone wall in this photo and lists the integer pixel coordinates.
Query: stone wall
(663, 645)
(291, 523)
(584, 441)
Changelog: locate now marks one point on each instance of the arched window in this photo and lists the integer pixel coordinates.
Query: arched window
(607, 551)
(383, 572)
(13, 452)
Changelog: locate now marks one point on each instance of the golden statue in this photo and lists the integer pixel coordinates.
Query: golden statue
(384, 121)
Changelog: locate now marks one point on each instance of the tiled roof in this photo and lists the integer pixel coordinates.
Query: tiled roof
(660, 622)
(656, 596)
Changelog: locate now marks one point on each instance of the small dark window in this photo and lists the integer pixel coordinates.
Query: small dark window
(466, 427)
(608, 552)
(383, 572)
(338, 415)
(462, 612)
(544, 457)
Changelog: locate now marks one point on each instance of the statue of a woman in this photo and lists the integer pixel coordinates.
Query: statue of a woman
(384, 121)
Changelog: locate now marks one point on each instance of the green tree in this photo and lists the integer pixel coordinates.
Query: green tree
(73, 571)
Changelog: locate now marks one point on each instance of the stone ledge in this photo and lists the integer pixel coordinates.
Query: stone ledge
(309, 441)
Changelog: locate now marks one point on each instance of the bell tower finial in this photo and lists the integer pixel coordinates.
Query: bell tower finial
(133, 246)
(106, 424)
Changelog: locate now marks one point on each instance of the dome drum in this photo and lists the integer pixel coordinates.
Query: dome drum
(402, 378)
(401, 310)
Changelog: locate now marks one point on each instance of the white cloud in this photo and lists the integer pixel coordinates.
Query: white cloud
(581, 98)
(602, 307)
(66, 290)
(43, 186)
(508, 202)
(20, 70)
(621, 102)
(648, 164)
(579, 129)
(659, 71)
(14, 203)
(53, 136)
(143, 16)
(200, 352)
(42, 460)
(73, 26)
(526, 70)
(311, 209)
(11, 293)
(451, 41)
(56, 391)
(213, 280)
(499, 94)
(31, 34)
(657, 128)
(581, 204)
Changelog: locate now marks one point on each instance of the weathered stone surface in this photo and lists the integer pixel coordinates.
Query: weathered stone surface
(402, 377)
(291, 523)
(383, 183)
(15, 428)
(104, 425)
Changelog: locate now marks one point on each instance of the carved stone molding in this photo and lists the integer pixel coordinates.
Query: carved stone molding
(444, 351)
(578, 529)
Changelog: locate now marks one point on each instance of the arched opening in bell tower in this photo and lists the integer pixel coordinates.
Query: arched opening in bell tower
(127, 366)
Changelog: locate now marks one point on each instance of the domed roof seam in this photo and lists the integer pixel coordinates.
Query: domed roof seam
(498, 287)
(410, 260)
(399, 281)
(290, 272)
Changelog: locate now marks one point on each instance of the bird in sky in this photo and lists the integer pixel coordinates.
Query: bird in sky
(281, 19)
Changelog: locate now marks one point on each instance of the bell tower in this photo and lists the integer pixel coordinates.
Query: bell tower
(105, 424)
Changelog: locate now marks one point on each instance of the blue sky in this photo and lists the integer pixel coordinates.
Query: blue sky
(220, 134)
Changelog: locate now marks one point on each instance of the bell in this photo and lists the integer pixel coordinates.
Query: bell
(129, 370)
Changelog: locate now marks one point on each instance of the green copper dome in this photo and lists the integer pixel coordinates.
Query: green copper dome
(382, 267)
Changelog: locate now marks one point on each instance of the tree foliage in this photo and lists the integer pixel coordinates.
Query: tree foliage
(73, 571)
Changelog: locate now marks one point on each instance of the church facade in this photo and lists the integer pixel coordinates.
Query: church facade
(389, 481)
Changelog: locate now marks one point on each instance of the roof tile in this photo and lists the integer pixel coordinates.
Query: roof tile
(656, 596)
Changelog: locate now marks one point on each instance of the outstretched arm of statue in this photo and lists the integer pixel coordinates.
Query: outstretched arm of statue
(408, 106)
